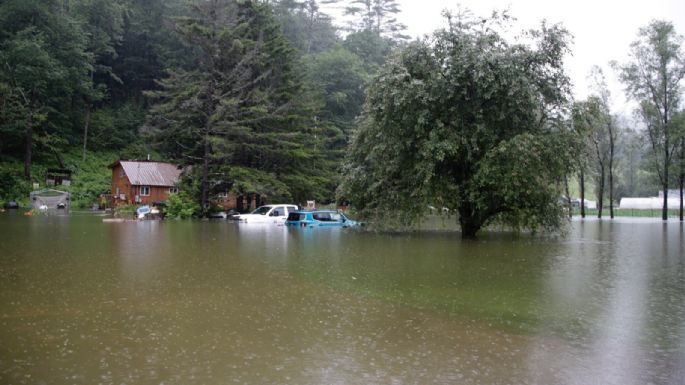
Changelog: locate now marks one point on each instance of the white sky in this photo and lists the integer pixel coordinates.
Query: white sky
(602, 29)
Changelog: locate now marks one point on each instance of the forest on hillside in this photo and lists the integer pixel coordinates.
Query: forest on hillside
(270, 97)
(86, 82)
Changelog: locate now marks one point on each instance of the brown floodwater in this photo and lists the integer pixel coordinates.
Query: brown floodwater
(215, 302)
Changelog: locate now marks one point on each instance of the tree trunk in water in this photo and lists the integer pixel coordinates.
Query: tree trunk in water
(611, 175)
(664, 211)
(568, 198)
(468, 229)
(582, 194)
(29, 146)
(85, 134)
(469, 222)
(682, 175)
(204, 204)
(600, 195)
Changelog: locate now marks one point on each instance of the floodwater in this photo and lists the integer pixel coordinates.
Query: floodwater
(213, 302)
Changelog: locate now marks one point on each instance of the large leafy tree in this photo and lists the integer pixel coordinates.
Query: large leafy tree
(653, 78)
(237, 111)
(466, 120)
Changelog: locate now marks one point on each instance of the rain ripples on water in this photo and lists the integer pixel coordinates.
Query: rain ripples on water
(85, 302)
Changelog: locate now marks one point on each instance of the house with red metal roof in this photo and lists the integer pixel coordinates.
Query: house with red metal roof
(143, 182)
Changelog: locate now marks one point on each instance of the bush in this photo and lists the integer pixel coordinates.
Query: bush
(182, 206)
(13, 186)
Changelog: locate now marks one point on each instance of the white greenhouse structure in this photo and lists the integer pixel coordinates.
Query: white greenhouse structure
(653, 203)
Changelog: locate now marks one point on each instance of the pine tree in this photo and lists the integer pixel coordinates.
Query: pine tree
(235, 118)
(378, 16)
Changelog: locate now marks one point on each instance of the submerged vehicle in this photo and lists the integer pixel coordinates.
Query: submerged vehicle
(142, 211)
(324, 218)
(267, 214)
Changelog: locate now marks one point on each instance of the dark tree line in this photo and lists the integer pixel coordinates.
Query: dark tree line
(261, 96)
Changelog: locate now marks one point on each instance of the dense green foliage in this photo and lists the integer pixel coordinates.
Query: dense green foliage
(182, 206)
(469, 122)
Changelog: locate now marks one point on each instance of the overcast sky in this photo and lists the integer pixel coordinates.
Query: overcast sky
(602, 29)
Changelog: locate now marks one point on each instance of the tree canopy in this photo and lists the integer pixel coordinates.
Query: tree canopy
(653, 78)
(466, 121)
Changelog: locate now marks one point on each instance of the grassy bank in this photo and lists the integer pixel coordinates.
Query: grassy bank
(90, 177)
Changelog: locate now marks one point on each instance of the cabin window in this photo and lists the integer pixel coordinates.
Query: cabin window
(144, 191)
(122, 173)
(173, 190)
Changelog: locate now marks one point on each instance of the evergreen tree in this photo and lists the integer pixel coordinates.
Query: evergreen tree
(377, 16)
(102, 24)
(238, 110)
(306, 25)
(45, 68)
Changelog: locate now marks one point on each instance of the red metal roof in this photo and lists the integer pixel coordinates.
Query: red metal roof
(151, 173)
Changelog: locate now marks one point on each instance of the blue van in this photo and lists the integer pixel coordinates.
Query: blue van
(323, 218)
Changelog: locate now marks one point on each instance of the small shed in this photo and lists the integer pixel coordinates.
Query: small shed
(143, 182)
(58, 177)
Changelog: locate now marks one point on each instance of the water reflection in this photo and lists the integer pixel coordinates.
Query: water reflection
(610, 285)
(216, 302)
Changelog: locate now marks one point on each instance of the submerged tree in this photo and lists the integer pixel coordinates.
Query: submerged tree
(653, 78)
(470, 122)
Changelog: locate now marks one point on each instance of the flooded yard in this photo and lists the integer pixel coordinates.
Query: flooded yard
(214, 302)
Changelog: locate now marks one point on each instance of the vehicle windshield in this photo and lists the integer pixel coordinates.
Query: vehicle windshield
(262, 210)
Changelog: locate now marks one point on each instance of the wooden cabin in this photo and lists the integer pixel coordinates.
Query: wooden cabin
(143, 182)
